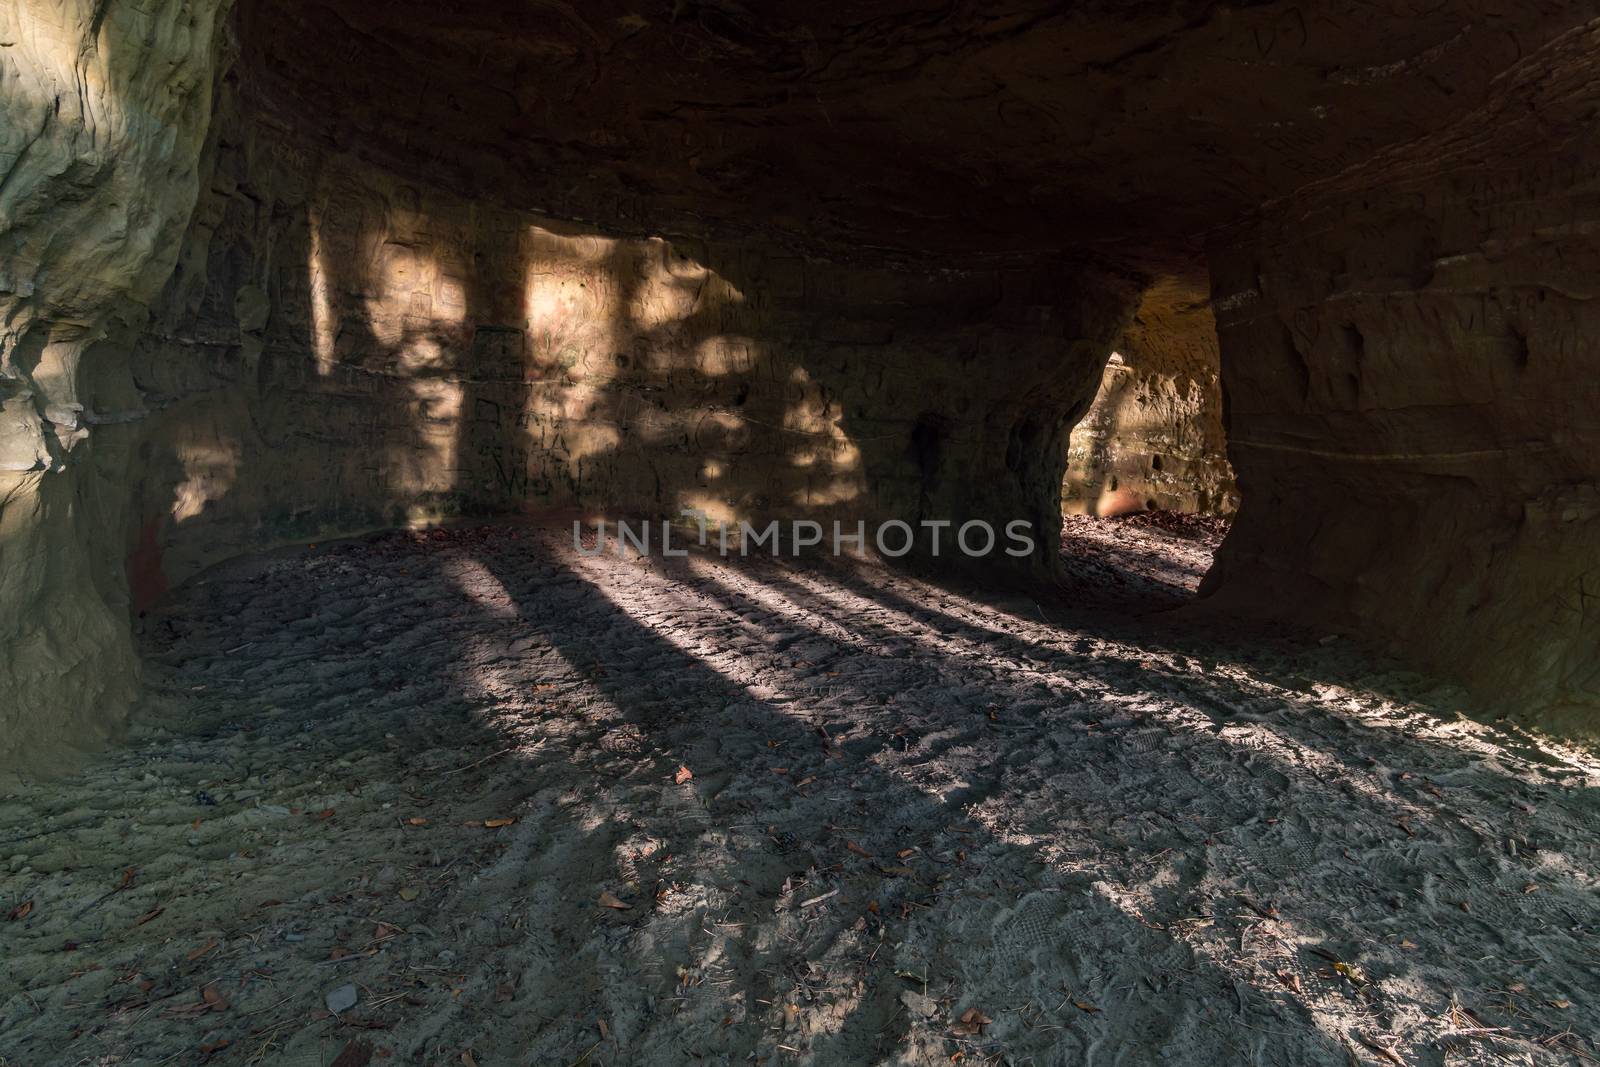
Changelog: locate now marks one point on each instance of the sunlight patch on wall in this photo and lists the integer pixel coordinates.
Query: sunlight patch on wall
(323, 327)
(821, 447)
(724, 355)
(209, 469)
(716, 510)
(424, 467)
(572, 304)
(672, 287)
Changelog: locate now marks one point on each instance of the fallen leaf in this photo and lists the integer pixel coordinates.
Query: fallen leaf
(466, 1058)
(607, 900)
(857, 849)
(325, 813)
(1081, 1006)
(214, 1000)
(1389, 1055)
(202, 950)
(604, 1033)
(495, 824)
(791, 1015)
(972, 1022)
(408, 894)
(147, 916)
(903, 853)
(1350, 971)
(1562, 1004)
(684, 774)
(189, 1010)
(21, 911)
(214, 1048)
(416, 820)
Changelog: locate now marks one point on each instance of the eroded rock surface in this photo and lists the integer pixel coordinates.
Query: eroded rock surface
(1155, 437)
(960, 128)
(1411, 361)
(103, 110)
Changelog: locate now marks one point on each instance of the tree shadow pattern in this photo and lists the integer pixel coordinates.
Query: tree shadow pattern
(1121, 839)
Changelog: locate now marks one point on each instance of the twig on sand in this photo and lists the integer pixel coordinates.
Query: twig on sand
(263, 1011)
(819, 900)
(484, 760)
(587, 1053)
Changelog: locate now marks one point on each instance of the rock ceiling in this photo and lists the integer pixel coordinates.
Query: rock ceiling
(897, 124)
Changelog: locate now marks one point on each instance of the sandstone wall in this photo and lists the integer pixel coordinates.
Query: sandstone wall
(340, 348)
(103, 111)
(324, 347)
(1154, 437)
(1412, 356)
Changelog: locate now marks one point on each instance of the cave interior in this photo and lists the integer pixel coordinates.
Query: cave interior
(332, 332)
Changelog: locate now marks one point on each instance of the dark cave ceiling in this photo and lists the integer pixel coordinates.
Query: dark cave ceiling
(886, 124)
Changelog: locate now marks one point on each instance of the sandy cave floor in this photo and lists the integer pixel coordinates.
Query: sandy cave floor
(447, 776)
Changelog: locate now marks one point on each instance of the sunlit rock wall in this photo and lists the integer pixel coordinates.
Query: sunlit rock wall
(1413, 368)
(103, 111)
(219, 337)
(1154, 437)
(341, 349)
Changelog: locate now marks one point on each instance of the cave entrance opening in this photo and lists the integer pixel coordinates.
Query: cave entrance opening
(1148, 489)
